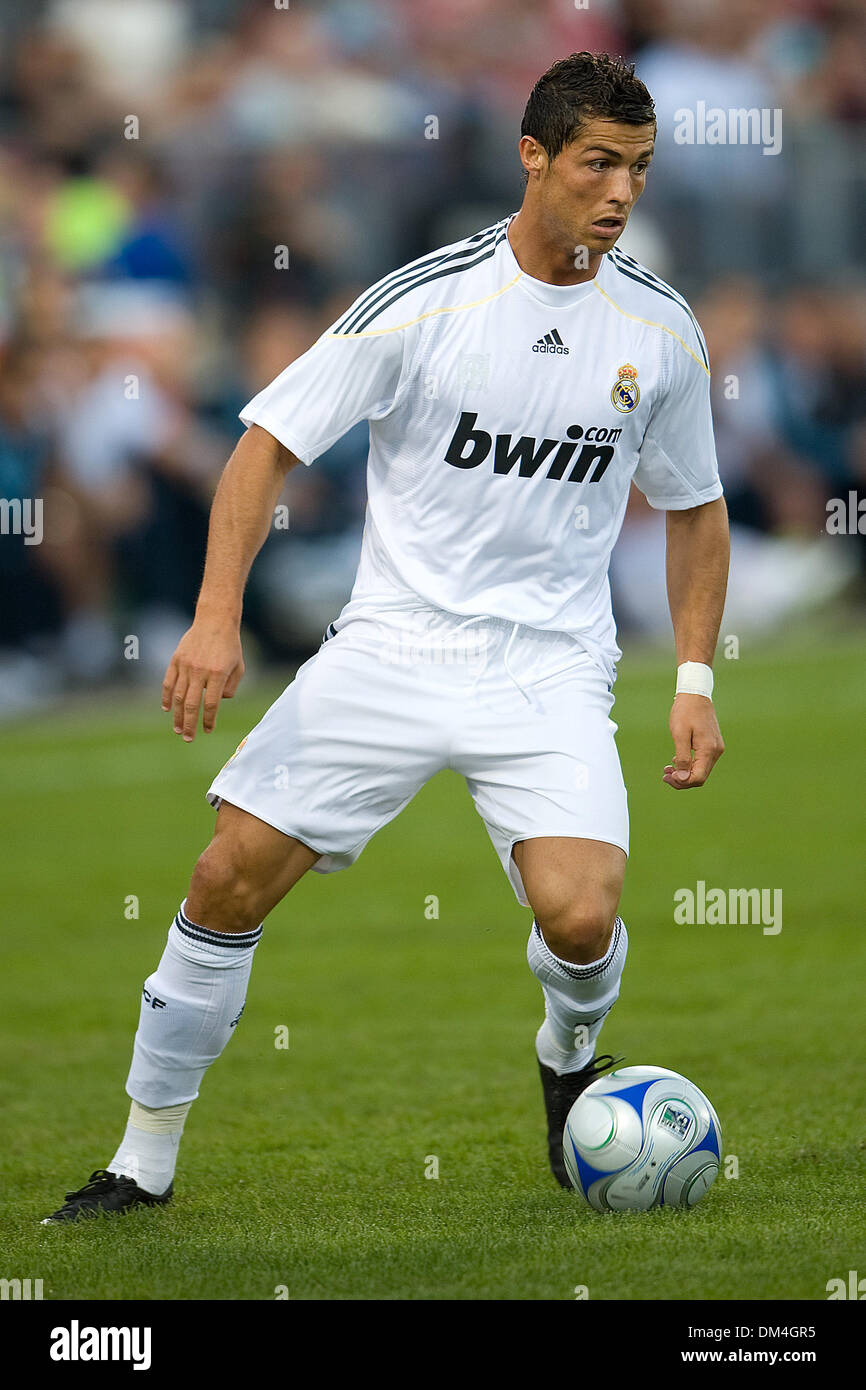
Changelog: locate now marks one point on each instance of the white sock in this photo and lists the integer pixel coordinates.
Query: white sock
(189, 1009)
(148, 1149)
(576, 997)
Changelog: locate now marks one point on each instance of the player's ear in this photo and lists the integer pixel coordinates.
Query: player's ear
(533, 156)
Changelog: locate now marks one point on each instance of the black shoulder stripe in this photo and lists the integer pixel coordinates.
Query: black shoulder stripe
(650, 275)
(618, 255)
(404, 275)
(624, 262)
(630, 263)
(437, 275)
(668, 294)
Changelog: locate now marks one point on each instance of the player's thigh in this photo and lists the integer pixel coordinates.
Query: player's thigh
(573, 887)
(247, 868)
(343, 749)
(546, 779)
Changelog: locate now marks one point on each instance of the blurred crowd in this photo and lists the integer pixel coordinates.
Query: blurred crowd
(191, 190)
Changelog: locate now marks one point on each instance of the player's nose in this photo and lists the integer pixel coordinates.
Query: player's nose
(620, 191)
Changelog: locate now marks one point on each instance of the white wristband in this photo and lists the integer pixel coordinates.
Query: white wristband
(694, 678)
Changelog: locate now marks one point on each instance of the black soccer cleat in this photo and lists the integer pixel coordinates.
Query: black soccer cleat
(105, 1193)
(560, 1093)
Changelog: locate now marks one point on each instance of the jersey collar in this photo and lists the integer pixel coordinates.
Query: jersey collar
(554, 296)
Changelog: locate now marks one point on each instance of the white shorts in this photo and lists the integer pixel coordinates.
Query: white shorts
(391, 699)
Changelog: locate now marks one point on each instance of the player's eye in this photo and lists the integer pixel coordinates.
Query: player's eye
(600, 164)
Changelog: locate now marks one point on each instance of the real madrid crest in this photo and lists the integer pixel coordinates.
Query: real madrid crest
(626, 392)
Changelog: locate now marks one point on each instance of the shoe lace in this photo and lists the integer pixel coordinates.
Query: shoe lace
(100, 1181)
(606, 1062)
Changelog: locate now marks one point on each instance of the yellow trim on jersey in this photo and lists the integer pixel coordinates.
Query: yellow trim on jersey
(449, 309)
(651, 324)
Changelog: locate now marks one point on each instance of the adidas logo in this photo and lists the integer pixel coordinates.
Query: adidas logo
(551, 342)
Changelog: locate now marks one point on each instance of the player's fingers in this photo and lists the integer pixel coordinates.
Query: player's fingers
(700, 770)
(191, 706)
(178, 698)
(213, 693)
(682, 764)
(706, 758)
(673, 779)
(678, 772)
(233, 681)
(169, 684)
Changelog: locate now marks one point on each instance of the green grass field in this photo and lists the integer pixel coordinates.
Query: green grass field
(411, 1037)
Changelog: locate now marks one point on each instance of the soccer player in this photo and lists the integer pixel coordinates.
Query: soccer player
(516, 383)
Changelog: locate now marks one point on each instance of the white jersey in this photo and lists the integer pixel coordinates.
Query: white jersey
(508, 418)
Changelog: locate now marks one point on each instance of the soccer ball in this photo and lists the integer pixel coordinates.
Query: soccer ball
(642, 1137)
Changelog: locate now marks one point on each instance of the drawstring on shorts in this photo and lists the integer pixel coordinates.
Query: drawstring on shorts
(486, 618)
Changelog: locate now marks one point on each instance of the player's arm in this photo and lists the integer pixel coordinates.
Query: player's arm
(208, 661)
(344, 377)
(698, 552)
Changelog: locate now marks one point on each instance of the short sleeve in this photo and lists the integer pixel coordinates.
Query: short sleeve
(677, 467)
(341, 379)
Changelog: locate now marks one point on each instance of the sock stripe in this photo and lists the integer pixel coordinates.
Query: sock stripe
(197, 926)
(229, 940)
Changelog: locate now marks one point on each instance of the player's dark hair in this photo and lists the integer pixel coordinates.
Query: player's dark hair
(581, 88)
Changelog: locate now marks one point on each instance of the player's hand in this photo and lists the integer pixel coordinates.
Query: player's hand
(207, 665)
(698, 743)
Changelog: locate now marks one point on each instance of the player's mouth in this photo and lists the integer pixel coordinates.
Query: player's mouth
(608, 226)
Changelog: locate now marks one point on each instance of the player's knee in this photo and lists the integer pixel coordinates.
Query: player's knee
(222, 895)
(579, 932)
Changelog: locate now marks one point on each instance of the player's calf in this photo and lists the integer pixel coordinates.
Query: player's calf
(577, 999)
(191, 1006)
